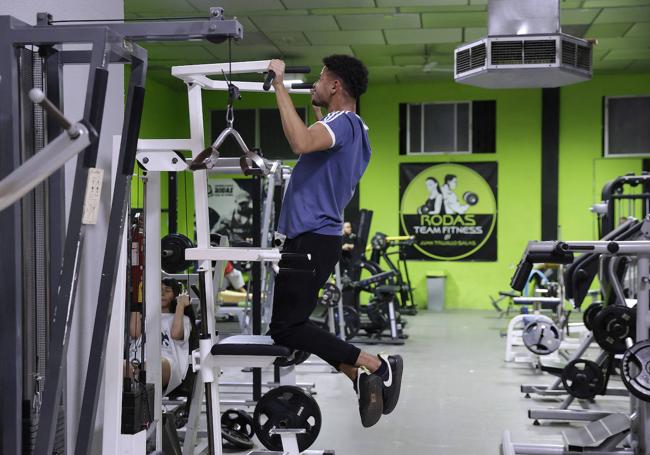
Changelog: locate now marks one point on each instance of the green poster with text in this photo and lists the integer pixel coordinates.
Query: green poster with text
(450, 209)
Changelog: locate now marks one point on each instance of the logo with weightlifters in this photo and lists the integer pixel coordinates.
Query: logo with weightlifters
(450, 209)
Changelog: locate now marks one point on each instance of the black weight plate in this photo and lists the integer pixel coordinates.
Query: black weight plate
(286, 407)
(583, 379)
(331, 295)
(173, 248)
(635, 370)
(612, 326)
(351, 319)
(590, 313)
(326, 295)
(237, 439)
(238, 420)
(541, 337)
(377, 316)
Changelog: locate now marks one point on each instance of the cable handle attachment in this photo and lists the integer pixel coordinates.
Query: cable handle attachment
(288, 70)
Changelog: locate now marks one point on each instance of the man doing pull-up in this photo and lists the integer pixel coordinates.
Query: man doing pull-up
(333, 154)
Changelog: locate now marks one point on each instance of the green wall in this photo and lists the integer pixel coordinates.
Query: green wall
(518, 154)
(165, 116)
(583, 171)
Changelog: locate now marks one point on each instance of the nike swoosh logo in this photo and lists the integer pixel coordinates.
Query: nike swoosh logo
(358, 385)
(389, 382)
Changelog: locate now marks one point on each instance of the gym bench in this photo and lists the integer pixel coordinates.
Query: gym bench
(256, 351)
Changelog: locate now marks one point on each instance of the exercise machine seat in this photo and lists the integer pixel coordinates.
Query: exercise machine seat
(387, 289)
(250, 345)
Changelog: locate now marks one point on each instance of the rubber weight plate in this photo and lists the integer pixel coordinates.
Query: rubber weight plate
(541, 338)
(237, 439)
(635, 370)
(238, 420)
(583, 378)
(286, 407)
(172, 247)
(351, 319)
(590, 313)
(377, 316)
(612, 326)
(330, 296)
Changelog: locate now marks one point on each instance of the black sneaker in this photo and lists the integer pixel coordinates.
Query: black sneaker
(391, 387)
(369, 392)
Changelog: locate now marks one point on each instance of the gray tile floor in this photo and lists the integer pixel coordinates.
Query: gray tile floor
(458, 395)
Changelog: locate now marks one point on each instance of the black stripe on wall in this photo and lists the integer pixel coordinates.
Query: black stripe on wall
(550, 158)
(402, 128)
(484, 125)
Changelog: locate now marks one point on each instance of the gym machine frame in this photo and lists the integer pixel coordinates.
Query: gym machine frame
(196, 78)
(154, 161)
(639, 421)
(110, 43)
(562, 412)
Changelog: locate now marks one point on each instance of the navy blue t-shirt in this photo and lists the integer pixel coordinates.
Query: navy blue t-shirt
(322, 183)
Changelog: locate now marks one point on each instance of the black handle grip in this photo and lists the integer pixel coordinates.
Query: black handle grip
(269, 79)
(297, 70)
(288, 70)
(302, 85)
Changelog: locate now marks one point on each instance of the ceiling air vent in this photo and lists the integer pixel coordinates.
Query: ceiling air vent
(525, 47)
(470, 58)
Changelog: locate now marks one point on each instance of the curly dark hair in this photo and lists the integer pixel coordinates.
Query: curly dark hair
(352, 72)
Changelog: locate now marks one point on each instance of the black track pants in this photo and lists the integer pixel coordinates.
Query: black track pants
(295, 297)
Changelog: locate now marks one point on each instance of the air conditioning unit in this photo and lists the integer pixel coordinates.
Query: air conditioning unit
(525, 48)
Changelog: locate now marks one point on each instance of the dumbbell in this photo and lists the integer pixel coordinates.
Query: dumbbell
(470, 198)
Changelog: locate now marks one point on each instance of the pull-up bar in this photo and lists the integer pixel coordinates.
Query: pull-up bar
(199, 74)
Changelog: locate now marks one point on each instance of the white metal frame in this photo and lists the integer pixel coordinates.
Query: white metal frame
(196, 78)
(199, 75)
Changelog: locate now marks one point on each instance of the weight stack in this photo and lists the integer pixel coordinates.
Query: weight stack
(137, 407)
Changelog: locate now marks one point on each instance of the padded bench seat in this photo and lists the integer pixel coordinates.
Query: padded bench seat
(387, 289)
(256, 345)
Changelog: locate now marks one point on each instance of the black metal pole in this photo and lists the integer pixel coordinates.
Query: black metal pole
(172, 202)
(63, 309)
(121, 196)
(205, 335)
(11, 262)
(257, 280)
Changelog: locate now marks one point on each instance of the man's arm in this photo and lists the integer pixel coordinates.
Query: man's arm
(301, 139)
(134, 324)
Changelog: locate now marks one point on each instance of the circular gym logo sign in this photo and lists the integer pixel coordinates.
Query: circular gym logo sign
(450, 209)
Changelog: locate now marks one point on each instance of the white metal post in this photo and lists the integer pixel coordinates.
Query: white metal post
(113, 369)
(197, 140)
(642, 421)
(152, 294)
